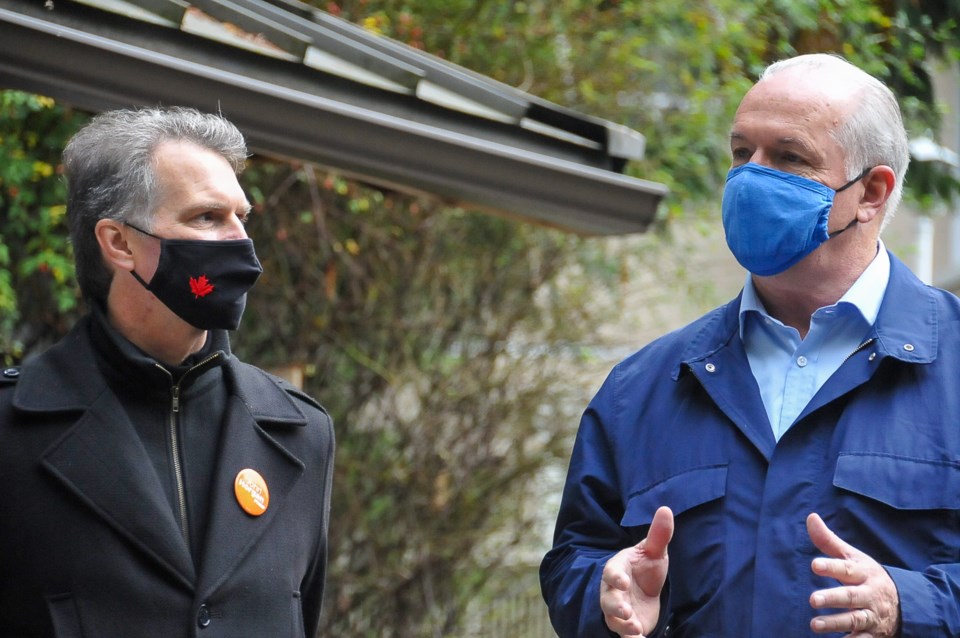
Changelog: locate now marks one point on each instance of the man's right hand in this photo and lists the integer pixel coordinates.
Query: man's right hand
(632, 580)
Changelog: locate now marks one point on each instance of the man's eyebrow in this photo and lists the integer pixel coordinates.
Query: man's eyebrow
(214, 204)
(793, 142)
(796, 141)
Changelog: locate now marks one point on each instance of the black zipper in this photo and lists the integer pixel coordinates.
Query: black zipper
(175, 445)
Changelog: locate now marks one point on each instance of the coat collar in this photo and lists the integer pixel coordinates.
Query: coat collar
(907, 327)
(907, 317)
(66, 378)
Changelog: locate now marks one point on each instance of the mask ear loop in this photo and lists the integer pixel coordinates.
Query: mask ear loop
(134, 272)
(853, 181)
(140, 230)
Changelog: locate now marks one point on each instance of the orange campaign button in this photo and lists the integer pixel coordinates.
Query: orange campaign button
(252, 492)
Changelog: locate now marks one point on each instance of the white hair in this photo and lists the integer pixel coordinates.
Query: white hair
(873, 134)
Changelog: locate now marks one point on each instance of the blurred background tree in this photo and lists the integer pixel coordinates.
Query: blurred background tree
(451, 346)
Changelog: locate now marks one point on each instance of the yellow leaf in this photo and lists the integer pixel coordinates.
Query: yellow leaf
(42, 169)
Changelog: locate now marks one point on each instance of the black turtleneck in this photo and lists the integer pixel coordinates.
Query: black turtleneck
(146, 388)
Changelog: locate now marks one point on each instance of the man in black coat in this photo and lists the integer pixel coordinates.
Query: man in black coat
(154, 485)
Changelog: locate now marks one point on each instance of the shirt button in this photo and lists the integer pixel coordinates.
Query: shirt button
(801, 361)
(908, 347)
(203, 616)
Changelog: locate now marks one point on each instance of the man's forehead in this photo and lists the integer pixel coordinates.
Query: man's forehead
(827, 88)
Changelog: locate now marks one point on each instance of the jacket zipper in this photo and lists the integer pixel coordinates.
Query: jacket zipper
(859, 348)
(175, 446)
(177, 466)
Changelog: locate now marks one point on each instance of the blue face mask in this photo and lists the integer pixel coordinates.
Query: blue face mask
(774, 219)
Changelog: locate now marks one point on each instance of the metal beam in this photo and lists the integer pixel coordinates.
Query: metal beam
(98, 72)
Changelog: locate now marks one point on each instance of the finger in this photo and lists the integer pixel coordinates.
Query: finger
(826, 541)
(627, 632)
(623, 626)
(848, 572)
(659, 534)
(841, 598)
(852, 622)
(615, 573)
(615, 607)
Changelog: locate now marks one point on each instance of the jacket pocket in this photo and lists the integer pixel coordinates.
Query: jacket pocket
(900, 482)
(680, 492)
(63, 614)
(903, 511)
(698, 551)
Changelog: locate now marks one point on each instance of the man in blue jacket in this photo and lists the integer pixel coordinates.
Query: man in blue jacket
(789, 463)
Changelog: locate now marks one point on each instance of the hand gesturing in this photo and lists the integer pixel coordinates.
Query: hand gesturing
(633, 578)
(867, 590)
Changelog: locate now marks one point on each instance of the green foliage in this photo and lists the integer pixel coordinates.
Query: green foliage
(38, 295)
(435, 337)
(672, 70)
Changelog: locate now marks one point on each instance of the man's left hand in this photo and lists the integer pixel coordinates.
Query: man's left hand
(867, 591)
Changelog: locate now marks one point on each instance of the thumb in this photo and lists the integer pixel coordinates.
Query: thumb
(659, 534)
(650, 572)
(825, 540)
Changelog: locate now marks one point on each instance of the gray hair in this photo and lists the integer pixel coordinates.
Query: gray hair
(873, 134)
(110, 174)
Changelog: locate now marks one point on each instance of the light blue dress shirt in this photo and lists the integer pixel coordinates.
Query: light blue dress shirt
(790, 370)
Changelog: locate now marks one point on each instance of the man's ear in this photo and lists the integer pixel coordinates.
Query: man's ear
(111, 235)
(878, 186)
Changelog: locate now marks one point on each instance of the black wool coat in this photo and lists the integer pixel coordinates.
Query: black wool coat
(89, 545)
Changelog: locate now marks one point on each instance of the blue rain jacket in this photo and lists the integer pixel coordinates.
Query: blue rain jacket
(680, 423)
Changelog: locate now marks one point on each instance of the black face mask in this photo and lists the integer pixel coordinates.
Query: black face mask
(205, 283)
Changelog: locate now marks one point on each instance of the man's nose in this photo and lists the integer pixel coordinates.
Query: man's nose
(761, 158)
(234, 228)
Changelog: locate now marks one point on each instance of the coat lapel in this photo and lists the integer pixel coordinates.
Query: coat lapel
(102, 460)
(232, 533)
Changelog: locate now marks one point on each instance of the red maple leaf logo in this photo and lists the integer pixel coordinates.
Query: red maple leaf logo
(200, 287)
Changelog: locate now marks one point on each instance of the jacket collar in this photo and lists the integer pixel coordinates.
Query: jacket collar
(267, 398)
(66, 378)
(123, 363)
(906, 327)
(712, 332)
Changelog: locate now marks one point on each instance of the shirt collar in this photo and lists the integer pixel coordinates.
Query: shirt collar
(866, 293)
